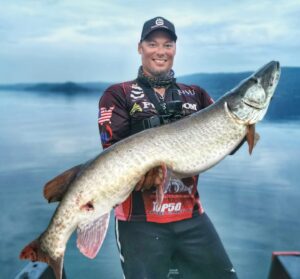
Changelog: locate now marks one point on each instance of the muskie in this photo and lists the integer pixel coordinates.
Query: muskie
(184, 148)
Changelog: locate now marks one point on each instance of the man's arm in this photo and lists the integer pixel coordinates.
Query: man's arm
(113, 117)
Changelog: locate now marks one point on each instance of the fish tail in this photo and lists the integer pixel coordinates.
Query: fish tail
(34, 252)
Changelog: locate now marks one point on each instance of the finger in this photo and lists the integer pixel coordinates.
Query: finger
(150, 179)
(139, 185)
(160, 172)
(158, 180)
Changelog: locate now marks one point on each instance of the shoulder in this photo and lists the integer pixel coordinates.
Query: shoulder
(117, 92)
(123, 87)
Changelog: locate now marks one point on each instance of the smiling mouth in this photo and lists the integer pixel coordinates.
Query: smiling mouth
(160, 60)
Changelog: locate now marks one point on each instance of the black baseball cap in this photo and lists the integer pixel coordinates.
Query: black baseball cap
(158, 23)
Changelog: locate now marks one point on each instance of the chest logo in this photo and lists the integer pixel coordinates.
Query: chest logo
(135, 108)
(190, 106)
(136, 92)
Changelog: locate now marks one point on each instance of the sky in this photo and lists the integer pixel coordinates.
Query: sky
(96, 40)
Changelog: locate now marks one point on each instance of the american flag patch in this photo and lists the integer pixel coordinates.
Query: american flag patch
(105, 115)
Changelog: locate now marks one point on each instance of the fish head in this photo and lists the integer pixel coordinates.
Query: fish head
(248, 102)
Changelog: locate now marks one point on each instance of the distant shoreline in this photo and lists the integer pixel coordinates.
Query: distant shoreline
(209, 81)
(65, 87)
(285, 104)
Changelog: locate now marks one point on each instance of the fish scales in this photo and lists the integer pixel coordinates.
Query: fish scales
(182, 143)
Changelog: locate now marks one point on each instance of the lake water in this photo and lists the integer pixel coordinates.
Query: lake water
(252, 200)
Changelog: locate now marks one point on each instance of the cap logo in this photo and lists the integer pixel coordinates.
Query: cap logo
(159, 21)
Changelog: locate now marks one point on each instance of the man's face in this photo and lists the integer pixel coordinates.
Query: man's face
(157, 52)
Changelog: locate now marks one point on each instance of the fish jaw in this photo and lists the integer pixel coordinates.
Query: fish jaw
(249, 101)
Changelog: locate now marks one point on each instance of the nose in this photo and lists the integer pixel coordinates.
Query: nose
(160, 50)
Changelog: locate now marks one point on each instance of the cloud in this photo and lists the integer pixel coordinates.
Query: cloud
(213, 35)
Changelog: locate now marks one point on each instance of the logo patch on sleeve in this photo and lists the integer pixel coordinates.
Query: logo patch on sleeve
(105, 115)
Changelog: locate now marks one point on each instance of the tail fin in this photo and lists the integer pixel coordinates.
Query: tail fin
(34, 252)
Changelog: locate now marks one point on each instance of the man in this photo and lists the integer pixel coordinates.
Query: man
(151, 236)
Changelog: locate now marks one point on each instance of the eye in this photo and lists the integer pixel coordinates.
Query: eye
(152, 44)
(169, 45)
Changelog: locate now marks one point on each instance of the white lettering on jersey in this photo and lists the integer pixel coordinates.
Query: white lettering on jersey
(147, 105)
(177, 186)
(190, 106)
(186, 92)
(169, 207)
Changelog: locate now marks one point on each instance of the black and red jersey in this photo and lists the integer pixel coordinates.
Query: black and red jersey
(120, 108)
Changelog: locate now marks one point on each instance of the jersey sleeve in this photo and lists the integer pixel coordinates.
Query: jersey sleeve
(204, 98)
(113, 117)
(207, 100)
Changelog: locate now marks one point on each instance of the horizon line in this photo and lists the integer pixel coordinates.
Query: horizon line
(112, 82)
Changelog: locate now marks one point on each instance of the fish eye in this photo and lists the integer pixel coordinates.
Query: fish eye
(255, 79)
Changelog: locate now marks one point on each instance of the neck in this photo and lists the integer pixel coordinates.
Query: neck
(162, 81)
(161, 90)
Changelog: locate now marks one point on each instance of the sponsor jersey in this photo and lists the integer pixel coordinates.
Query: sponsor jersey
(120, 108)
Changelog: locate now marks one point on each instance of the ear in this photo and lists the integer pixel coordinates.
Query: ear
(140, 48)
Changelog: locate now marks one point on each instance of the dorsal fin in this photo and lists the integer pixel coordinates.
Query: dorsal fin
(55, 189)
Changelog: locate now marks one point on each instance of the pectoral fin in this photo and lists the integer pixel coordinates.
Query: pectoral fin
(90, 236)
(252, 137)
(163, 186)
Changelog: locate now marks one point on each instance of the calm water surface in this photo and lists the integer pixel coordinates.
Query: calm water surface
(252, 200)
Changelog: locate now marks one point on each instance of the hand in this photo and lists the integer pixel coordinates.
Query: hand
(153, 177)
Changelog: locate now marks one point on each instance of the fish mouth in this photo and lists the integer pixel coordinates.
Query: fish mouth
(247, 112)
(254, 105)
